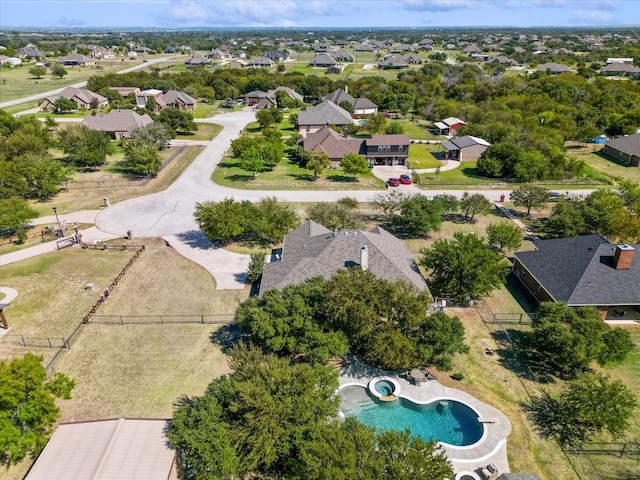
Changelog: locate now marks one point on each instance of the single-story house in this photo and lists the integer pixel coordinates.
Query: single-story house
(313, 250)
(135, 449)
(342, 56)
(366, 48)
(553, 68)
(627, 60)
(237, 63)
(471, 49)
(387, 149)
(465, 149)
(125, 91)
(620, 69)
(502, 60)
(260, 62)
(411, 58)
(626, 149)
(81, 96)
(329, 141)
(13, 61)
(76, 60)
(277, 56)
(586, 270)
(393, 62)
(219, 54)
(98, 51)
(117, 123)
(401, 48)
(326, 113)
(179, 100)
(448, 126)
(198, 60)
(29, 51)
(322, 60)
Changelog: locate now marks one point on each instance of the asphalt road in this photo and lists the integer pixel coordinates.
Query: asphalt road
(33, 98)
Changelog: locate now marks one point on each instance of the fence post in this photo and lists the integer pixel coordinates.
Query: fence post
(121, 320)
(49, 338)
(161, 319)
(202, 319)
(624, 446)
(24, 344)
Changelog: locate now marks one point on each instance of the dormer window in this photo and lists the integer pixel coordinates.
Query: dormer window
(384, 148)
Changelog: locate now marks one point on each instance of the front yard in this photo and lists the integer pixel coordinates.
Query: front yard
(288, 175)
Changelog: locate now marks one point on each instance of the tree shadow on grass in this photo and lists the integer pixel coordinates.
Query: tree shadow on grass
(522, 359)
(226, 336)
(240, 178)
(302, 177)
(342, 178)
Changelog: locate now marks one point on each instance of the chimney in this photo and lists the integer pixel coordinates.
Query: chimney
(364, 257)
(346, 89)
(345, 132)
(623, 257)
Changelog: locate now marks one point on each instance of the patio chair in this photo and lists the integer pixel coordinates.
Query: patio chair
(490, 472)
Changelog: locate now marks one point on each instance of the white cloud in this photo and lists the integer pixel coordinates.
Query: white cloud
(438, 5)
(593, 17)
(248, 12)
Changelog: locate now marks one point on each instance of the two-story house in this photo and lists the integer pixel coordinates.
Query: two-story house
(387, 149)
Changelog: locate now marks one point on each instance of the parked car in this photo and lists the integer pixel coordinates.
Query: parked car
(393, 182)
(228, 104)
(555, 196)
(405, 180)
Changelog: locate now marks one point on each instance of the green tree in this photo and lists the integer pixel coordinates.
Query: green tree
(251, 160)
(334, 216)
(14, 213)
(464, 267)
(347, 105)
(529, 196)
(256, 266)
(264, 117)
(475, 204)
(390, 203)
(316, 162)
(85, 147)
(448, 203)
(64, 105)
(567, 219)
(58, 71)
(276, 116)
(504, 235)
(394, 128)
(141, 159)
(37, 72)
(284, 322)
(177, 120)
(375, 123)
(588, 406)
(570, 339)
(419, 216)
(220, 221)
(353, 164)
(27, 406)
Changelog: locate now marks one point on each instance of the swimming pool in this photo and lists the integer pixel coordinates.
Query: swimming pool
(447, 421)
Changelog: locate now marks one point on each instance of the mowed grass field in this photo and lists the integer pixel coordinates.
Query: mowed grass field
(17, 82)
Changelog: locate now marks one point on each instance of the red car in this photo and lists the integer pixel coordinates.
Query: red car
(393, 182)
(405, 180)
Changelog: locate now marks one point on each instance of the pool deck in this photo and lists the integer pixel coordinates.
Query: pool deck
(491, 448)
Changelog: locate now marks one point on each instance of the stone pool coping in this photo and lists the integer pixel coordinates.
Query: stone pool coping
(491, 448)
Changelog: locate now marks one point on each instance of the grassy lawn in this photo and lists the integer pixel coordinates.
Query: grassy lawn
(206, 131)
(287, 175)
(121, 371)
(76, 199)
(415, 130)
(603, 163)
(465, 175)
(17, 82)
(420, 157)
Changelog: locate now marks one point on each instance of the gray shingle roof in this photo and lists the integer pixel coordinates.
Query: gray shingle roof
(173, 96)
(117, 121)
(332, 143)
(323, 113)
(629, 144)
(553, 67)
(322, 60)
(339, 95)
(395, 139)
(86, 96)
(363, 102)
(580, 271)
(313, 250)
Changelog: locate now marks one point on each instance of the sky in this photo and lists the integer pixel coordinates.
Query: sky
(317, 13)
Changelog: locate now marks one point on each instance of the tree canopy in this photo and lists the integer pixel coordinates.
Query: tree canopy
(529, 196)
(267, 220)
(570, 339)
(464, 268)
(85, 147)
(27, 406)
(353, 164)
(504, 235)
(269, 418)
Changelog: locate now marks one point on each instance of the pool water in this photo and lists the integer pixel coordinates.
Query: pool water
(449, 422)
(384, 387)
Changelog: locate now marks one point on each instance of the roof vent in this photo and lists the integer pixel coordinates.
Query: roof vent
(364, 257)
